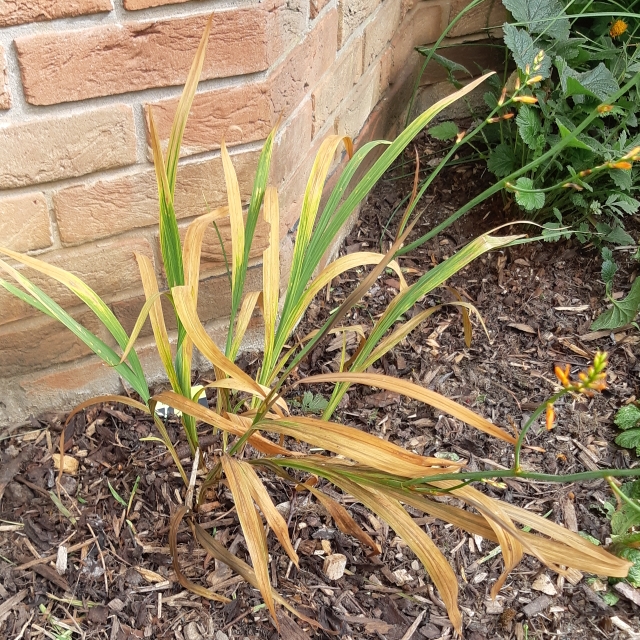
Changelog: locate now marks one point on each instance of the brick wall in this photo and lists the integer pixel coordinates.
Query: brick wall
(78, 79)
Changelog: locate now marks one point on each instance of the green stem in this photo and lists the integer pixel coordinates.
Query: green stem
(500, 185)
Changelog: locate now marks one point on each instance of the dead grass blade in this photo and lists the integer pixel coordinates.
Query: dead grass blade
(240, 385)
(106, 398)
(466, 321)
(236, 425)
(391, 511)
(271, 272)
(156, 316)
(235, 213)
(272, 515)
(218, 551)
(186, 309)
(358, 445)
(243, 319)
(416, 392)
(252, 528)
(192, 246)
(199, 590)
(343, 518)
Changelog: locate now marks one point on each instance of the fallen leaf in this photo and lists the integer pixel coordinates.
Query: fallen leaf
(543, 583)
(522, 327)
(69, 464)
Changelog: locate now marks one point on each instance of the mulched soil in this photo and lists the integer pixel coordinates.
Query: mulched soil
(537, 301)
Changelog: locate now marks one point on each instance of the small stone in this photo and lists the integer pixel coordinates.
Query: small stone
(402, 576)
(221, 636)
(334, 566)
(191, 632)
(18, 493)
(543, 583)
(61, 560)
(283, 508)
(69, 484)
(415, 565)
(69, 464)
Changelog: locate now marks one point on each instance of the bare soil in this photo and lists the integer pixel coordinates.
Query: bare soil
(537, 301)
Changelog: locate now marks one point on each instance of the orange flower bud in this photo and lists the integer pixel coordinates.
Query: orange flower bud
(460, 136)
(503, 95)
(618, 28)
(563, 375)
(572, 185)
(551, 417)
(622, 164)
(534, 79)
(605, 108)
(584, 173)
(508, 116)
(526, 99)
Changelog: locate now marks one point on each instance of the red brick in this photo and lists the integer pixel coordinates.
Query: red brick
(24, 222)
(481, 19)
(110, 268)
(352, 13)
(337, 83)
(381, 29)
(292, 144)
(422, 25)
(212, 262)
(134, 5)
(359, 103)
(304, 66)
(5, 96)
(236, 114)
(67, 146)
(109, 207)
(112, 59)
(23, 11)
(42, 342)
(316, 6)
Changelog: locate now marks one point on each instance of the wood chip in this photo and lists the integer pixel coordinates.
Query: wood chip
(543, 583)
(69, 464)
(627, 591)
(61, 560)
(150, 576)
(522, 327)
(334, 566)
(537, 606)
(7, 606)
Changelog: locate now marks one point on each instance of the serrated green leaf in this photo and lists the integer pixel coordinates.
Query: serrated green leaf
(491, 100)
(608, 270)
(527, 196)
(622, 312)
(619, 236)
(444, 131)
(528, 125)
(633, 555)
(589, 537)
(501, 160)
(622, 178)
(627, 417)
(541, 16)
(314, 403)
(610, 598)
(524, 50)
(629, 439)
(597, 83)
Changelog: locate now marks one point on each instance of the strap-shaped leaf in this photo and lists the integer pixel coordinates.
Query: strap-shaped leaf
(252, 528)
(271, 275)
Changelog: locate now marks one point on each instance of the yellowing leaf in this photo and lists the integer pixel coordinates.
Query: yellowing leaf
(416, 392)
(271, 272)
(252, 528)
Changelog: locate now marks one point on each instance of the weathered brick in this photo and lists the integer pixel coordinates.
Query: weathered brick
(337, 83)
(24, 222)
(359, 103)
(134, 5)
(482, 18)
(352, 13)
(304, 66)
(23, 11)
(5, 96)
(112, 59)
(110, 268)
(109, 207)
(236, 114)
(67, 146)
(381, 29)
(316, 6)
(214, 302)
(422, 25)
(212, 262)
(42, 342)
(292, 144)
